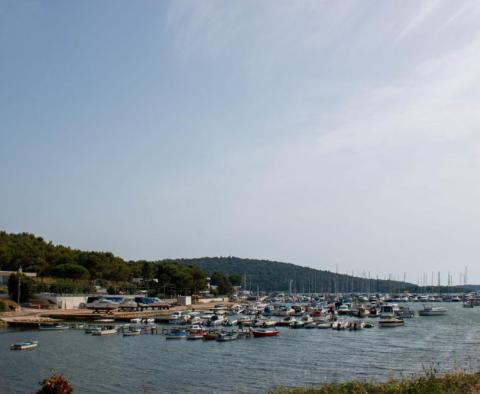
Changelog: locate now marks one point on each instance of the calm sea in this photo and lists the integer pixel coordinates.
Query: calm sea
(151, 364)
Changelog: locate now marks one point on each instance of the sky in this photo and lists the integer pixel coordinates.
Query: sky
(340, 135)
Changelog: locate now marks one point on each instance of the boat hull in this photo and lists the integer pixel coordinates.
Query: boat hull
(265, 333)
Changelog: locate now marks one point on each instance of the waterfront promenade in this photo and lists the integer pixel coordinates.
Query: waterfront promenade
(33, 317)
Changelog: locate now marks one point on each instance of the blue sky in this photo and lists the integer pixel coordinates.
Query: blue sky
(320, 133)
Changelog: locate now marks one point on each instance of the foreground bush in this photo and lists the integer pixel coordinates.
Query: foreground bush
(454, 383)
(56, 384)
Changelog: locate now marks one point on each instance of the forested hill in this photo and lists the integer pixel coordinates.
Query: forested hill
(266, 275)
(33, 253)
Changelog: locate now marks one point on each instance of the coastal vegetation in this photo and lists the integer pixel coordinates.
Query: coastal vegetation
(430, 383)
(77, 271)
(55, 384)
(26, 287)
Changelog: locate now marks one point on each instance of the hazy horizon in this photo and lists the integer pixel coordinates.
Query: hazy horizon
(324, 134)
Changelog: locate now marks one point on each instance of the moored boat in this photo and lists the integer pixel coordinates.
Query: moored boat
(390, 322)
(429, 310)
(210, 336)
(297, 324)
(176, 334)
(324, 325)
(388, 317)
(24, 345)
(53, 327)
(105, 330)
(227, 336)
(258, 333)
(132, 331)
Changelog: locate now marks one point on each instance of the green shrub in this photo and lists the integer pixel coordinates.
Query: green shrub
(430, 383)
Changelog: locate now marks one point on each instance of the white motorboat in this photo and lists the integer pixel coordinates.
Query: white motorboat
(105, 330)
(343, 310)
(388, 317)
(24, 345)
(390, 322)
(430, 310)
(53, 327)
(297, 324)
(324, 325)
(132, 331)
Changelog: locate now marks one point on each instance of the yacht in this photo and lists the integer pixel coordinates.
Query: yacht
(343, 310)
(388, 318)
(429, 310)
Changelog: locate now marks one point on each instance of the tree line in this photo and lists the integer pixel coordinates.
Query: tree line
(176, 276)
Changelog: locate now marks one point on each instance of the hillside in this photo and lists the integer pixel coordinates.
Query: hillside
(33, 253)
(269, 275)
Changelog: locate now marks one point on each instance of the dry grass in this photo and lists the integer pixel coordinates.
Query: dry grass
(430, 383)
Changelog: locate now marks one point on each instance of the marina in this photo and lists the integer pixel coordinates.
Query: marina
(335, 350)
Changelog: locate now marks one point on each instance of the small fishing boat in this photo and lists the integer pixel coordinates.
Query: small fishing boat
(53, 327)
(468, 304)
(310, 325)
(227, 336)
(132, 331)
(105, 330)
(136, 320)
(269, 323)
(324, 325)
(245, 321)
(176, 334)
(195, 331)
(405, 312)
(297, 324)
(285, 322)
(390, 322)
(210, 336)
(24, 345)
(258, 333)
(192, 335)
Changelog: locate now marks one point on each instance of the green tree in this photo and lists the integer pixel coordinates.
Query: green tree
(71, 271)
(147, 271)
(25, 287)
(235, 279)
(223, 284)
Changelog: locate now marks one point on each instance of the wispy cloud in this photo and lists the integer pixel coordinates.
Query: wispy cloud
(419, 17)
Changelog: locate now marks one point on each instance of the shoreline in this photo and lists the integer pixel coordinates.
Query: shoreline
(33, 317)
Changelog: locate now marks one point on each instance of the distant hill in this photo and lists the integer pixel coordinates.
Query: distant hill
(33, 253)
(269, 275)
